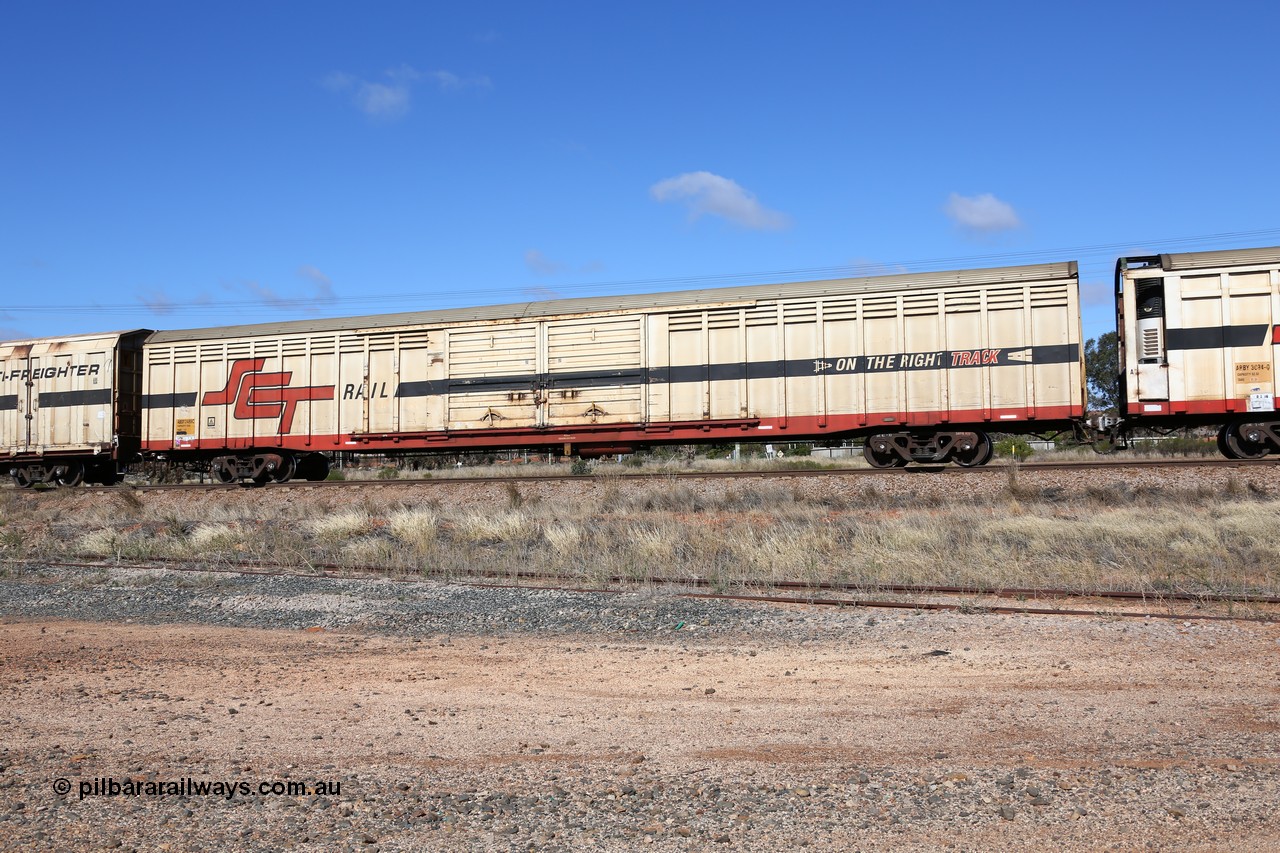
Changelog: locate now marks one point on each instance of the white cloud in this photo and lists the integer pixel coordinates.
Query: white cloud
(382, 101)
(392, 97)
(982, 212)
(706, 193)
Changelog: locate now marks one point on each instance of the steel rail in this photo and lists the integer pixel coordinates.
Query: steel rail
(964, 607)
(1020, 593)
(781, 473)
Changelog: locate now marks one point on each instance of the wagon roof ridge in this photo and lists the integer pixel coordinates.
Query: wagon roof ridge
(703, 297)
(1220, 258)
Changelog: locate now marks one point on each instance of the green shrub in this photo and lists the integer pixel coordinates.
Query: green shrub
(1014, 447)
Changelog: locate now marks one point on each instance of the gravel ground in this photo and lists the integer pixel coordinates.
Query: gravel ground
(458, 718)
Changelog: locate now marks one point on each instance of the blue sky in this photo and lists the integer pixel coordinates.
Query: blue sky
(174, 165)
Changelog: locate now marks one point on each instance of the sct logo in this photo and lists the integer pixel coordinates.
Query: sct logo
(264, 395)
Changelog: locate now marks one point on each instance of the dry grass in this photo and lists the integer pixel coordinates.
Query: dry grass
(1203, 540)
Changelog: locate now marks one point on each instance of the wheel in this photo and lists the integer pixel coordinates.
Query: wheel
(1240, 442)
(1222, 442)
(313, 467)
(221, 471)
(979, 454)
(22, 479)
(285, 472)
(880, 454)
(72, 475)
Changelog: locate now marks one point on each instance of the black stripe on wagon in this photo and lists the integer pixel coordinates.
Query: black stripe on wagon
(1217, 337)
(92, 397)
(520, 382)
(733, 371)
(8, 402)
(168, 401)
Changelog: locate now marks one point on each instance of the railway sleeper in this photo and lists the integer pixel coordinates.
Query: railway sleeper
(895, 450)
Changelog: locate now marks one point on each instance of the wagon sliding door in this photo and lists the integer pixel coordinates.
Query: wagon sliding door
(493, 377)
(593, 371)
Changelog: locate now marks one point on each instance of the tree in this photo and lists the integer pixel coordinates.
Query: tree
(1102, 371)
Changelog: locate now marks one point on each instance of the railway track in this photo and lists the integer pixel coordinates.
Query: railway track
(1263, 608)
(921, 471)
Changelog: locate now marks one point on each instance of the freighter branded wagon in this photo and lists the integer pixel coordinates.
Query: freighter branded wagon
(69, 407)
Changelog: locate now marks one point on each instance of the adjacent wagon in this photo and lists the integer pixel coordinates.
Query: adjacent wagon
(70, 407)
(1198, 334)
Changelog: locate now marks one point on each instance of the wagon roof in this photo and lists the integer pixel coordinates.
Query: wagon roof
(89, 336)
(643, 301)
(1225, 258)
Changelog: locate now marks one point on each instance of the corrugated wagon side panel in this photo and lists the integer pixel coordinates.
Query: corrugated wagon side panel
(802, 346)
(593, 370)
(922, 335)
(72, 393)
(492, 373)
(13, 398)
(881, 334)
(841, 345)
(1006, 329)
(1058, 378)
(689, 372)
(967, 390)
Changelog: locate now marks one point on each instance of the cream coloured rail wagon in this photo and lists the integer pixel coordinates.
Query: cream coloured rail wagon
(923, 365)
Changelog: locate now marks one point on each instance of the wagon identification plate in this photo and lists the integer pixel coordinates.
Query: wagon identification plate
(1252, 372)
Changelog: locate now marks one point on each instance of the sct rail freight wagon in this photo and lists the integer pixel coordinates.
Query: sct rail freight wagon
(925, 362)
(922, 367)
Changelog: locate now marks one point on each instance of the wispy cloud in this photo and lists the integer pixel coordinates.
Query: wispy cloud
(322, 283)
(984, 213)
(541, 264)
(157, 302)
(866, 268)
(12, 333)
(390, 96)
(321, 292)
(704, 193)
(268, 296)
